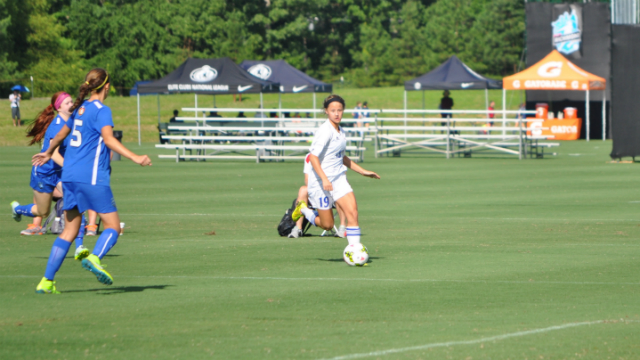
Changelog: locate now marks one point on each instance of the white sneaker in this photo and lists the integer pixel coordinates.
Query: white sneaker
(295, 233)
(341, 232)
(17, 217)
(81, 253)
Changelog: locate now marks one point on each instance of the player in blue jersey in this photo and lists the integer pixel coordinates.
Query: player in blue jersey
(86, 177)
(45, 179)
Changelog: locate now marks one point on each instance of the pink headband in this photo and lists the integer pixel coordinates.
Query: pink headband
(60, 99)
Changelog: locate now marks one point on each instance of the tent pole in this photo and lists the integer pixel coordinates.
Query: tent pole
(314, 104)
(139, 138)
(279, 104)
(504, 112)
(486, 98)
(214, 100)
(261, 104)
(405, 114)
(158, 95)
(196, 100)
(604, 115)
(586, 105)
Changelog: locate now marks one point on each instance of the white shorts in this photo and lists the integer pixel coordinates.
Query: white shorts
(323, 200)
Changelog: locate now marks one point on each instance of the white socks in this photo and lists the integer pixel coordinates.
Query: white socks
(310, 215)
(353, 235)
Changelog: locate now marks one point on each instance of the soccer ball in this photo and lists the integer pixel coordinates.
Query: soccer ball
(355, 255)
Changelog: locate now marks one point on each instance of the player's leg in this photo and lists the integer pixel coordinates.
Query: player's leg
(81, 251)
(92, 219)
(350, 207)
(100, 198)
(322, 201)
(343, 221)
(58, 252)
(302, 197)
(41, 206)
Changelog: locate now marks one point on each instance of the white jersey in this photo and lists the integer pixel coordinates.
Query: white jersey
(329, 146)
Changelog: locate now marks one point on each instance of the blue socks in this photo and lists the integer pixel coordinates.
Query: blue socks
(353, 235)
(58, 252)
(24, 210)
(106, 241)
(80, 237)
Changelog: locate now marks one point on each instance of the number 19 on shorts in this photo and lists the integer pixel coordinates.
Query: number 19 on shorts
(324, 202)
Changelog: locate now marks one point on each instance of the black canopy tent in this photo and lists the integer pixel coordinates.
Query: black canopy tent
(291, 79)
(206, 76)
(452, 74)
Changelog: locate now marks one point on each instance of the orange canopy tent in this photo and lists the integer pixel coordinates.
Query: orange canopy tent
(555, 72)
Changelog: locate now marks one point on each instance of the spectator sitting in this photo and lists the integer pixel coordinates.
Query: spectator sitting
(273, 114)
(260, 114)
(214, 114)
(308, 115)
(241, 115)
(297, 115)
(173, 120)
(287, 115)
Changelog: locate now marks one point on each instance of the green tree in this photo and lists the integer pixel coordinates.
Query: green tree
(498, 37)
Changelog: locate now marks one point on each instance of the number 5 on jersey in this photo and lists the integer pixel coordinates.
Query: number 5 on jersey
(76, 133)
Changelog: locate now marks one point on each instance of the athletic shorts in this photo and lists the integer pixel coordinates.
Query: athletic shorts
(86, 196)
(323, 200)
(15, 113)
(44, 183)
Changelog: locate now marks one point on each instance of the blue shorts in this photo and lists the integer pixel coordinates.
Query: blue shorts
(86, 196)
(44, 183)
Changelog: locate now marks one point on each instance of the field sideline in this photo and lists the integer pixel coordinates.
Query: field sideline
(481, 258)
(125, 109)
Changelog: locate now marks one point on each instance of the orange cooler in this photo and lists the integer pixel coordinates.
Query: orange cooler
(570, 113)
(542, 110)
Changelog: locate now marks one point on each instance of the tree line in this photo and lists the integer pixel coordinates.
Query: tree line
(365, 42)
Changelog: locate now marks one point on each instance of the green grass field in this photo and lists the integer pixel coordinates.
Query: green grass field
(481, 258)
(125, 108)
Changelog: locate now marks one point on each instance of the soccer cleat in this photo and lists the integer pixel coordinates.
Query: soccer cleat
(81, 252)
(295, 233)
(17, 217)
(32, 229)
(91, 230)
(341, 232)
(92, 263)
(46, 287)
(297, 212)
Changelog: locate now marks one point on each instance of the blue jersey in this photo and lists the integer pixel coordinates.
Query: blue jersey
(50, 168)
(87, 158)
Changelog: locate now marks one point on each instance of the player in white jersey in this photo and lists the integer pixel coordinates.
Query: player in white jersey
(303, 195)
(328, 181)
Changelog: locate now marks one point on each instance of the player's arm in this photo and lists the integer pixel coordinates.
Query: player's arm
(115, 145)
(315, 162)
(357, 168)
(57, 158)
(42, 158)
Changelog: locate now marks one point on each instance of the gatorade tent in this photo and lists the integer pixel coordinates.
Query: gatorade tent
(555, 72)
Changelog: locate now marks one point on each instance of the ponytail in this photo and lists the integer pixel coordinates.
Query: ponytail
(95, 80)
(38, 127)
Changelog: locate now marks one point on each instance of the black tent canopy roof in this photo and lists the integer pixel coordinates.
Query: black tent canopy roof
(291, 79)
(452, 74)
(209, 76)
